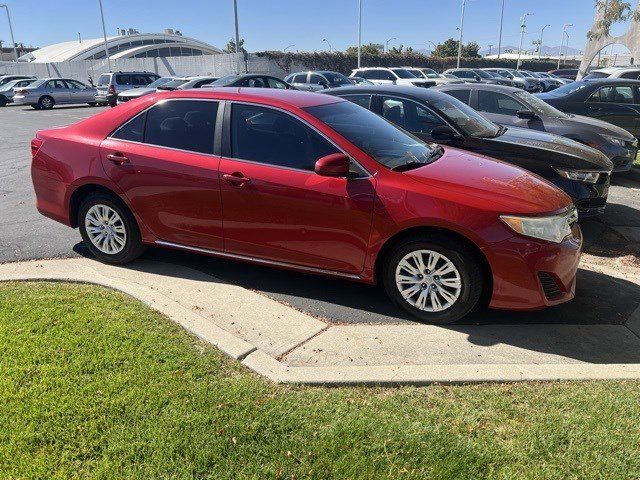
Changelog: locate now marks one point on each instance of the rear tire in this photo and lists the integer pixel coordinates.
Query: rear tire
(3, 101)
(437, 279)
(46, 102)
(109, 229)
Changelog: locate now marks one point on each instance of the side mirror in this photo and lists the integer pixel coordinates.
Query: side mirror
(443, 134)
(334, 165)
(526, 115)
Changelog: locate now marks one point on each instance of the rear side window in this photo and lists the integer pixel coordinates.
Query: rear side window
(462, 95)
(123, 79)
(269, 136)
(133, 130)
(494, 102)
(614, 94)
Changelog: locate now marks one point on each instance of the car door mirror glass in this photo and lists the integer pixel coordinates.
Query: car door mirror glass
(334, 165)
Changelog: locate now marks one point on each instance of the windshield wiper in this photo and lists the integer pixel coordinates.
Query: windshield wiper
(435, 154)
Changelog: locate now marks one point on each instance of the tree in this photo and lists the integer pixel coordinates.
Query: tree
(613, 11)
(450, 49)
(400, 50)
(368, 49)
(231, 46)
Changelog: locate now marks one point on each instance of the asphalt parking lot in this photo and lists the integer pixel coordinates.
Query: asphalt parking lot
(25, 234)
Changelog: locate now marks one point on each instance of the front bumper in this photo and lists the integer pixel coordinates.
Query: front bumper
(623, 157)
(530, 274)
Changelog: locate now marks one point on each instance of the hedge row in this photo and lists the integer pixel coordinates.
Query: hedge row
(344, 62)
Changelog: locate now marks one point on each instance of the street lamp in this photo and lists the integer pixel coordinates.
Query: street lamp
(540, 44)
(13, 40)
(328, 43)
(564, 31)
(235, 17)
(464, 6)
(523, 29)
(359, 31)
(104, 35)
(386, 44)
(501, 22)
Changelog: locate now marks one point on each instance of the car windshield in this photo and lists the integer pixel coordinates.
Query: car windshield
(539, 106)
(430, 73)
(335, 78)
(465, 118)
(402, 73)
(160, 81)
(104, 80)
(594, 75)
(568, 89)
(382, 140)
(173, 83)
(224, 80)
(39, 82)
(502, 73)
(527, 74)
(482, 74)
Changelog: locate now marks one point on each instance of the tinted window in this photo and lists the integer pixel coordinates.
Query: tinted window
(254, 82)
(362, 100)
(316, 79)
(133, 130)
(631, 75)
(183, 124)
(274, 83)
(123, 79)
(379, 75)
(464, 74)
(300, 78)
(269, 136)
(56, 84)
(613, 95)
(494, 102)
(402, 73)
(462, 95)
(409, 115)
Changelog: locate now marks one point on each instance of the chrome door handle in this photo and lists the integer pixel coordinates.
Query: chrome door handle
(236, 178)
(117, 158)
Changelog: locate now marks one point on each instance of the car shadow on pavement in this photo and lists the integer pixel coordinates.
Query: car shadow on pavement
(602, 305)
(609, 236)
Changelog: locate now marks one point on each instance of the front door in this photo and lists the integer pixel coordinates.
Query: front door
(164, 162)
(277, 208)
(617, 104)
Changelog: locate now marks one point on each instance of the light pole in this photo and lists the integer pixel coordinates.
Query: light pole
(566, 49)
(289, 46)
(328, 43)
(540, 44)
(104, 35)
(564, 30)
(523, 29)
(359, 31)
(235, 17)
(501, 22)
(386, 44)
(13, 40)
(464, 6)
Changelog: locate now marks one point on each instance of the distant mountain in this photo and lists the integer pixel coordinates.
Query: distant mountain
(546, 51)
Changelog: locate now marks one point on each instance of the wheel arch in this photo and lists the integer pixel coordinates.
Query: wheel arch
(420, 231)
(81, 193)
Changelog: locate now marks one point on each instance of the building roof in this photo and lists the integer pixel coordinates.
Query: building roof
(120, 46)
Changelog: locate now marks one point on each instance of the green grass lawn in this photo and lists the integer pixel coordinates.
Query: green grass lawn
(94, 384)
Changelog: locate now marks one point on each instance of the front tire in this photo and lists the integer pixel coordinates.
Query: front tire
(437, 279)
(109, 229)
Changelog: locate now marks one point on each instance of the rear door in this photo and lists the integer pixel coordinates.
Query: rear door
(617, 104)
(503, 109)
(277, 208)
(165, 162)
(79, 93)
(58, 90)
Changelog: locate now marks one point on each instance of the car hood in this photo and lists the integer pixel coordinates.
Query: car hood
(136, 92)
(584, 157)
(599, 126)
(492, 185)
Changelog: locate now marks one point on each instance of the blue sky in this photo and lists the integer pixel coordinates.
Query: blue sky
(276, 24)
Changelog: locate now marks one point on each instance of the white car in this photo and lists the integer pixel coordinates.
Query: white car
(630, 73)
(391, 76)
(431, 74)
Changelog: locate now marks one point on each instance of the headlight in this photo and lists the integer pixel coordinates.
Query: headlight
(553, 229)
(615, 140)
(579, 175)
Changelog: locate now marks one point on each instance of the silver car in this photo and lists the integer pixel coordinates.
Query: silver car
(142, 91)
(6, 90)
(45, 93)
(111, 84)
(314, 81)
(185, 83)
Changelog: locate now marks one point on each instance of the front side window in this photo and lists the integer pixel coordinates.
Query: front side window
(75, 84)
(254, 82)
(300, 78)
(265, 135)
(465, 118)
(494, 102)
(409, 115)
(104, 80)
(182, 124)
(316, 79)
(57, 84)
(381, 140)
(275, 83)
(336, 79)
(613, 95)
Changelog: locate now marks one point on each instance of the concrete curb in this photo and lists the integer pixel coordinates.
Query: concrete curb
(176, 291)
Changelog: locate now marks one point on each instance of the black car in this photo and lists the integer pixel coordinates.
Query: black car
(614, 100)
(568, 73)
(253, 80)
(581, 171)
(513, 107)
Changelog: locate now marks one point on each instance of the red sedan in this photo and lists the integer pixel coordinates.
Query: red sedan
(312, 183)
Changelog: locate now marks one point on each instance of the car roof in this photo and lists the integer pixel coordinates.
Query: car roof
(268, 96)
(604, 81)
(409, 91)
(478, 86)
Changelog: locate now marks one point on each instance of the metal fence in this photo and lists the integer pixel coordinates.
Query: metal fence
(215, 65)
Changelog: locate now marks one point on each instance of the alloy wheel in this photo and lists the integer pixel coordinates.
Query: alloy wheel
(106, 229)
(428, 280)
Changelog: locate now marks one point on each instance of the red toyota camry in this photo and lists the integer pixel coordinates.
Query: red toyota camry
(311, 183)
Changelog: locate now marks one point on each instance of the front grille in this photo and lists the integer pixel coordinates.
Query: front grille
(549, 285)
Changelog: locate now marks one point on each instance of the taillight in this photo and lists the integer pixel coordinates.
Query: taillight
(112, 89)
(36, 143)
